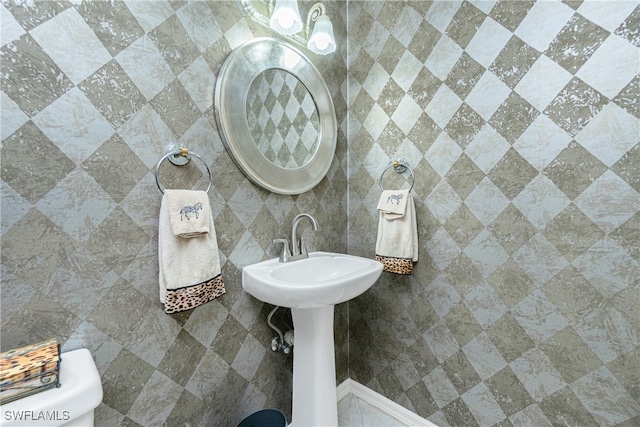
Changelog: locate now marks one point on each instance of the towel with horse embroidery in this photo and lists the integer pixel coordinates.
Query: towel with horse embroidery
(397, 241)
(393, 203)
(189, 269)
(189, 212)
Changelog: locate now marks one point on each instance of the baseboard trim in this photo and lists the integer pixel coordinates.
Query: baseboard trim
(381, 403)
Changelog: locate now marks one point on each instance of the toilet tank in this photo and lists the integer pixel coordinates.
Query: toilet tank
(71, 404)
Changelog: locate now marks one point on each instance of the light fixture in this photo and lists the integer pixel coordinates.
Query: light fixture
(283, 16)
(322, 40)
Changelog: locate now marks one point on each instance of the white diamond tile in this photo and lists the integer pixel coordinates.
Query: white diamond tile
(543, 82)
(532, 415)
(487, 148)
(543, 22)
(607, 14)
(486, 201)
(238, 34)
(249, 356)
(440, 387)
(144, 65)
(444, 56)
(483, 405)
(74, 125)
(246, 202)
(67, 37)
(538, 316)
(488, 42)
(607, 332)
(487, 95)
(484, 5)
(442, 296)
(441, 341)
(199, 22)
(541, 142)
(407, 114)
(14, 207)
(407, 70)
(442, 248)
(140, 199)
(376, 39)
(161, 403)
(609, 201)
(153, 336)
(104, 349)
(612, 66)
(443, 153)
(246, 308)
(150, 14)
(12, 116)
(208, 376)
(602, 394)
(610, 134)
(407, 25)
(443, 201)
(199, 81)
(537, 374)
(484, 356)
(375, 162)
(147, 135)
(608, 267)
(540, 201)
(443, 106)
(486, 253)
(10, 30)
(278, 206)
(376, 121)
(539, 259)
(441, 13)
(83, 199)
(376, 80)
(485, 305)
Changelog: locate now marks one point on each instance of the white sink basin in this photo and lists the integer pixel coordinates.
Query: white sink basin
(323, 279)
(311, 287)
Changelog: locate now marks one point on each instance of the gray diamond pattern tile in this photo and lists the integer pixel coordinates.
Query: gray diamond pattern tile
(519, 119)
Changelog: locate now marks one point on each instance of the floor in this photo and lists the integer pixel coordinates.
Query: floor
(354, 412)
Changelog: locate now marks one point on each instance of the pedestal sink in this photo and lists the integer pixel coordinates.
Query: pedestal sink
(311, 287)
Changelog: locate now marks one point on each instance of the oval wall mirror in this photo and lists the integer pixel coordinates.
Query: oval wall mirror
(275, 116)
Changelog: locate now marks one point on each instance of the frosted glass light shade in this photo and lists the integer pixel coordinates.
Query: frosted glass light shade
(285, 18)
(322, 40)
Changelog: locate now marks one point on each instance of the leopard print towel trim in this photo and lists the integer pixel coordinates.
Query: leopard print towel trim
(396, 265)
(192, 296)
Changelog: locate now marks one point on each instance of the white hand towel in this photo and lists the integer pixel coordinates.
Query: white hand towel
(397, 242)
(189, 212)
(190, 272)
(393, 203)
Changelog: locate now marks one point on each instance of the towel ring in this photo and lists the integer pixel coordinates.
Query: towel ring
(400, 166)
(182, 152)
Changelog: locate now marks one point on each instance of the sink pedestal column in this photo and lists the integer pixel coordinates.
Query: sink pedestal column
(314, 368)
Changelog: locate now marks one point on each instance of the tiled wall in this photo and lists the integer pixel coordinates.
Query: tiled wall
(92, 93)
(521, 121)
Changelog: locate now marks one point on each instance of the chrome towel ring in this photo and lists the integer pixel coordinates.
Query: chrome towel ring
(400, 165)
(180, 157)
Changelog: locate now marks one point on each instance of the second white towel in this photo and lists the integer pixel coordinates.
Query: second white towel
(397, 242)
(190, 273)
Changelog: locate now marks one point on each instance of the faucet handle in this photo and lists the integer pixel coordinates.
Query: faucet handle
(303, 244)
(286, 253)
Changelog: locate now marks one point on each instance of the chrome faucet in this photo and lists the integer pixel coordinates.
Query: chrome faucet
(298, 248)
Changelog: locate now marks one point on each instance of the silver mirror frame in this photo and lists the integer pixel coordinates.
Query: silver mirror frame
(239, 70)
